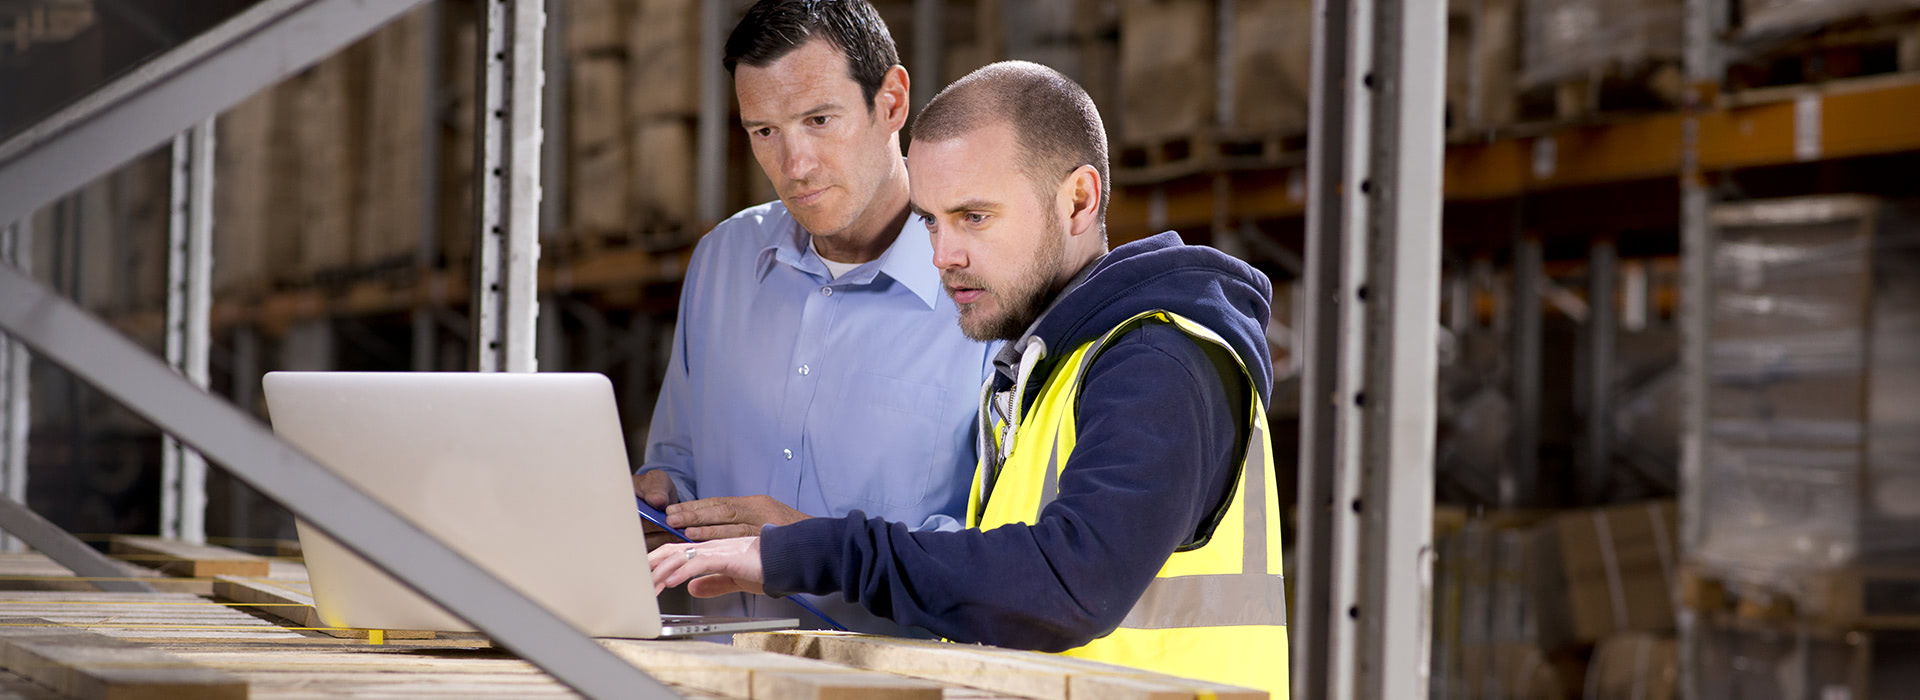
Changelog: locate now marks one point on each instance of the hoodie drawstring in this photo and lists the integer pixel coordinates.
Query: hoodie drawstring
(1030, 357)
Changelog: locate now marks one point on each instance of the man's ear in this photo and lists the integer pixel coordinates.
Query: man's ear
(890, 101)
(1083, 200)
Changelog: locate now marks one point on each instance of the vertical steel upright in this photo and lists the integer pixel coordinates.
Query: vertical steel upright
(1520, 476)
(1603, 332)
(710, 140)
(929, 40)
(16, 249)
(506, 256)
(183, 471)
(425, 348)
(1372, 321)
(1705, 20)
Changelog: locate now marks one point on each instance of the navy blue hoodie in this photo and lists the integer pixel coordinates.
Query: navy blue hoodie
(1160, 426)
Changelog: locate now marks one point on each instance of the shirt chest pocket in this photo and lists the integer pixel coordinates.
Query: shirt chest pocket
(880, 443)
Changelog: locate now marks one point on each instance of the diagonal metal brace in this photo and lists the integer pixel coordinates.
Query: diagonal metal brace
(63, 333)
(65, 549)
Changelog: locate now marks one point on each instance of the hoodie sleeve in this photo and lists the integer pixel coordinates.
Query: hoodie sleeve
(1158, 428)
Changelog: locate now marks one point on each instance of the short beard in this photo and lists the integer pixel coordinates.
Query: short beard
(1026, 296)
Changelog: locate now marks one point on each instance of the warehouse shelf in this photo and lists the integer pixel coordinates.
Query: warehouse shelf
(611, 270)
(1757, 128)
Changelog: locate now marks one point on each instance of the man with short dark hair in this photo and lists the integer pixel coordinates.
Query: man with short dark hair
(816, 368)
(1124, 508)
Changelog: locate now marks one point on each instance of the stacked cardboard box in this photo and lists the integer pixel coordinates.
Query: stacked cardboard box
(1520, 597)
(252, 242)
(1487, 639)
(1269, 66)
(388, 221)
(1812, 450)
(663, 57)
(1167, 69)
(325, 157)
(597, 181)
(1756, 662)
(1771, 16)
(1634, 666)
(1571, 39)
(634, 72)
(1605, 571)
(1483, 45)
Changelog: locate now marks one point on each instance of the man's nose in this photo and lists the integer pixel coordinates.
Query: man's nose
(799, 162)
(947, 253)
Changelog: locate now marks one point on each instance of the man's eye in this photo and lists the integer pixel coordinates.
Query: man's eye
(819, 120)
(976, 218)
(762, 132)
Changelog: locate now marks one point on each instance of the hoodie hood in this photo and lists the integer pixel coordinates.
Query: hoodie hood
(1159, 273)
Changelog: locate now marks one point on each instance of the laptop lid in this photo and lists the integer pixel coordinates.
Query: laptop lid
(524, 474)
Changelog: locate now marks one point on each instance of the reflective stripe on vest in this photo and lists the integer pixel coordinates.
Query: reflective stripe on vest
(1216, 611)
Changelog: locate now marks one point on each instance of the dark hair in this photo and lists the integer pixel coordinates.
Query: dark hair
(774, 28)
(1054, 121)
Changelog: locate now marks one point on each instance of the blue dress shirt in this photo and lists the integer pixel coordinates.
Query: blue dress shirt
(830, 395)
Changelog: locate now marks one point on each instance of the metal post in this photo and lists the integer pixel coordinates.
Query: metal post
(1373, 287)
(710, 165)
(427, 249)
(16, 249)
(507, 251)
(1520, 478)
(183, 472)
(1705, 21)
(94, 352)
(246, 386)
(553, 118)
(1603, 326)
(929, 38)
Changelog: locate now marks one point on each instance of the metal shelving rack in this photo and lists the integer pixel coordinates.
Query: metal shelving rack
(179, 93)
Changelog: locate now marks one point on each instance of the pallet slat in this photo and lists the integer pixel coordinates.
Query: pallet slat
(177, 558)
(1019, 673)
(92, 666)
(750, 673)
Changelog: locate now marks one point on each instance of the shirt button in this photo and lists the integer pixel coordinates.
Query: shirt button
(826, 291)
(788, 453)
(804, 370)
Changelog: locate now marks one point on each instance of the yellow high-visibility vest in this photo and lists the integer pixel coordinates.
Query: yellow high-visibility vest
(1217, 609)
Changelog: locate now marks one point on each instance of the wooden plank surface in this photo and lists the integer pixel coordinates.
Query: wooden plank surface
(32, 571)
(92, 666)
(141, 615)
(1018, 673)
(178, 558)
(749, 673)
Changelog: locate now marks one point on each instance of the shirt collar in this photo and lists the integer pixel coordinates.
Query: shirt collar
(908, 261)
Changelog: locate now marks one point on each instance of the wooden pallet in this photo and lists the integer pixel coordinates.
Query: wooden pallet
(1842, 51)
(260, 638)
(186, 559)
(1016, 673)
(1208, 149)
(1850, 598)
(1657, 86)
(161, 645)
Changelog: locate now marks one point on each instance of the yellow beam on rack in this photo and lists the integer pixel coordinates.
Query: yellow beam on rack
(1758, 128)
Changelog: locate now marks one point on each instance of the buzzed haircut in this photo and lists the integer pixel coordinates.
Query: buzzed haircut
(1054, 121)
(774, 28)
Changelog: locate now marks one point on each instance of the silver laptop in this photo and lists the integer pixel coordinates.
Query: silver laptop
(524, 474)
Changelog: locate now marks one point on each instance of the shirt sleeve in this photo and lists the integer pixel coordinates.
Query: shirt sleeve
(670, 433)
(1156, 441)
